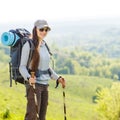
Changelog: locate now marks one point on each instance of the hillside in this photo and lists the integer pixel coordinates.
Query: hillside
(82, 49)
(79, 98)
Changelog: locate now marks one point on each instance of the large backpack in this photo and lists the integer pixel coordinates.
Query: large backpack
(16, 39)
(15, 55)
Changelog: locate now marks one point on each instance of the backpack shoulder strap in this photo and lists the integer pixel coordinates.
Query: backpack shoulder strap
(53, 65)
(48, 49)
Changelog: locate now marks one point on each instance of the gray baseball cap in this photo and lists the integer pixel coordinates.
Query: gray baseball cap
(41, 24)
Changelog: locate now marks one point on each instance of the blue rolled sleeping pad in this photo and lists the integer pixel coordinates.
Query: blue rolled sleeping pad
(9, 38)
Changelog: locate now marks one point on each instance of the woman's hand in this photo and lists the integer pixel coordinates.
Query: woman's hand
(32, 80)
(62, 81)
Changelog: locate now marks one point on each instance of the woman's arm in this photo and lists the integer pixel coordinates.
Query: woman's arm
(54, 75)
(24, 59)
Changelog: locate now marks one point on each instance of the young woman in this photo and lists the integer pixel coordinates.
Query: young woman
(43, 73)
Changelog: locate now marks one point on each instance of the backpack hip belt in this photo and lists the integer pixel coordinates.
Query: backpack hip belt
(41, 72)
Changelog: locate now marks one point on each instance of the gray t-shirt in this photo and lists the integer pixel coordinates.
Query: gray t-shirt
(43, 64)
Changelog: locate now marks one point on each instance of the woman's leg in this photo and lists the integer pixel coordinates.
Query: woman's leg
(31, 108)
(44, 103)
(42, 96)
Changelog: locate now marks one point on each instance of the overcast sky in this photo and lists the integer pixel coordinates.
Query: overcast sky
(60, 10)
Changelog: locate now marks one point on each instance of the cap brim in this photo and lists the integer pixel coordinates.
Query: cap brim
(43, 26)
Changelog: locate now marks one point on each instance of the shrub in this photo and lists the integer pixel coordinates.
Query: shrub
(108, 103)
(6, 114)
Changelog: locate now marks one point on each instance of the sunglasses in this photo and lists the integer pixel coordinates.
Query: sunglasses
(44, 29)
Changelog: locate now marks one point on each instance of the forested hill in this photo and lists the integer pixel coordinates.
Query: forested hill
(101, 36)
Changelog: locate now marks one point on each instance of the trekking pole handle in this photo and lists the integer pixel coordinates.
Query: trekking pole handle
(33, 75)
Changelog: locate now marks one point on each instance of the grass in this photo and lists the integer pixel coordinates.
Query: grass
(79, 93)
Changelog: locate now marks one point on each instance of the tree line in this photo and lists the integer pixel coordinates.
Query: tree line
(78, 62)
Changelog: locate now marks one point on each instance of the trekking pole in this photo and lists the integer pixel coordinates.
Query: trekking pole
(65, 118)
(64, 104)
(35, 95)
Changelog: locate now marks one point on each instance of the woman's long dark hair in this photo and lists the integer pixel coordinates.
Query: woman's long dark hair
(36, 56)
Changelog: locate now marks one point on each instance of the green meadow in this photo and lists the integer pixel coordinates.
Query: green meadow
(79, 98)
(88, 56)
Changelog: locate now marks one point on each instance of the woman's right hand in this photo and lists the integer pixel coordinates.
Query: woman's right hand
(32, 80)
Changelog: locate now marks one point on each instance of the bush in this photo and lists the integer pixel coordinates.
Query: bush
(95, 97)
(64, 70)
(6, 114)
(108, 103)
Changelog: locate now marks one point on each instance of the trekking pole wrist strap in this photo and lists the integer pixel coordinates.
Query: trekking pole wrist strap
(28, 78)
(57, 81)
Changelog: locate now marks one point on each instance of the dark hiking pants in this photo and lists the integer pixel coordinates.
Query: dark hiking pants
(42, 100)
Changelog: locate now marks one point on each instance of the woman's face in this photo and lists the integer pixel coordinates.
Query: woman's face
(42, 32)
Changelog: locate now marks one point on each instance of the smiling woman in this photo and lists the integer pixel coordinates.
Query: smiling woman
(27, 10)
(39, 72)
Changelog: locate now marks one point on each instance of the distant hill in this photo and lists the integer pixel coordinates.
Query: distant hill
(100, 35)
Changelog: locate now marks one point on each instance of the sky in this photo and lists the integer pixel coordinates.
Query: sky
(57, 10)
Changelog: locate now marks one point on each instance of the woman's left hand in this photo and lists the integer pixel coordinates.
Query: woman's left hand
(62, 81)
